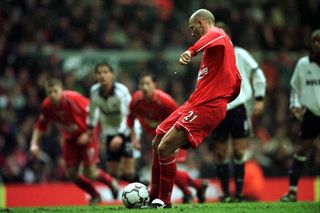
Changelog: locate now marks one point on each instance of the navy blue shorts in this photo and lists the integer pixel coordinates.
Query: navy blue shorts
(126, 149)
(236, 124)
(310, 126)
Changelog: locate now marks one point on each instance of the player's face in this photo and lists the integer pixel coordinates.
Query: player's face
(147, 86)
(315, 43)
(197, 30)
(104, 75)
(55, 93)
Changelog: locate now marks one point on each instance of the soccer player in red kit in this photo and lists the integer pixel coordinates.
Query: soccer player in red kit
(218, 83)
(69, 110)
(151, 106)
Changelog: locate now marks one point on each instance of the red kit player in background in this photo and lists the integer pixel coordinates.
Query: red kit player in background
(151, 106)
(218, 83)
(69, 110)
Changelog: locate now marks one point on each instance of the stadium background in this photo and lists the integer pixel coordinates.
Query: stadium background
(42, 38)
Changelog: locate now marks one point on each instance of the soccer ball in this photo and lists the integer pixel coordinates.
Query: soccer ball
(135, 195)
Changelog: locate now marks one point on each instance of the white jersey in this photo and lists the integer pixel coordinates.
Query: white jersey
(250, 71)
(305, 83)
(110, 111)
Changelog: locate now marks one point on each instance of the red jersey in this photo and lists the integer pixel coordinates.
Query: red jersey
(151, 112)
(218, 75)
(70, 114)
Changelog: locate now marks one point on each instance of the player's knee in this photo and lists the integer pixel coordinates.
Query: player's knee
(90, 174)
(239, 154)
(165, 150)
(304, 148)
(72, 175)
(221, 152)
(155, 143)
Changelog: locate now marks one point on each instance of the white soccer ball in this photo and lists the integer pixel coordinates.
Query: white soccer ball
(135, 195)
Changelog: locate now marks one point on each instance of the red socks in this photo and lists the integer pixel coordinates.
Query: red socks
(155, 177)
(168, 169)
(104, 178)
(83, 183)
(182, 181)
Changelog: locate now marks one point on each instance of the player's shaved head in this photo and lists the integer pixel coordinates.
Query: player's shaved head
(203, 14)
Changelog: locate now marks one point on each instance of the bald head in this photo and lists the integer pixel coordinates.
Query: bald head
(200, 22)
(203, 14)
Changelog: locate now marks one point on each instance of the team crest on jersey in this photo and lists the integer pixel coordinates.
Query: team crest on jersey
(202, 72)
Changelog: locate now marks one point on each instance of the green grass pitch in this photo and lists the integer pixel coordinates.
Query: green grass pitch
(274, 207)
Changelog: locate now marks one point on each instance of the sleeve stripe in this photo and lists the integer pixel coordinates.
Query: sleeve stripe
(201, 48)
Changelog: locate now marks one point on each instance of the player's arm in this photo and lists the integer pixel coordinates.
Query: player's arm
(93, 113)
(130, 122)
(86, 137)
(123, 131)
(259, 83)
(34, 145)
(40, 127)
(124, 110)
(209, 40)
(134, 135)
(295, 104)
(259, 88)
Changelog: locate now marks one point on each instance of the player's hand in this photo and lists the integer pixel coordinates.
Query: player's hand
(258, 108)
(298, 112)
(34, 149)
(136, 143)
(185, 57)
(115, 143)
(84, 138)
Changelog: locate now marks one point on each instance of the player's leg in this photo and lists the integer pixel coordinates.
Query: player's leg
(239, 149)
(165, 126)
(172, 140)
(296, 169)
(182, 177)
(240, 129)
(182, 181)
(309, 130)
(94, 173)
(221, 148)
(90, 157)
(83, 183)
(128, 170)
(128, 162)
(72, 155)
(201, 187)
(155, 169)
(113, 157)
(220, 144)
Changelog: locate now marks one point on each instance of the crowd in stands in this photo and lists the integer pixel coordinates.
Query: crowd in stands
(276, 32)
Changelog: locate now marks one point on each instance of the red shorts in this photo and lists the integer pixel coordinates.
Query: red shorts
(74, 154)
(197, 120)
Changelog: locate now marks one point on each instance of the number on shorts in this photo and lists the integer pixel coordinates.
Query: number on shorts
(190, 117)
